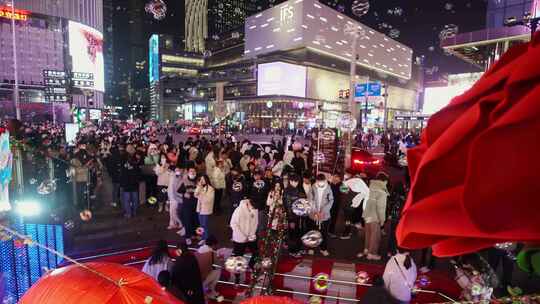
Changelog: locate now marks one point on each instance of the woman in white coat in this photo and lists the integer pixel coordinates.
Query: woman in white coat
(399, 276)
(162, 171)
(244, 222)
(205, 203)
(375, 215)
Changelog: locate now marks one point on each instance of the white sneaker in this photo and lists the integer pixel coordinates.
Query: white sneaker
(373, 257)
(182, 231)
(171, 227)
(325, 253)
(160, 208)
(359, 226)
(202, 242)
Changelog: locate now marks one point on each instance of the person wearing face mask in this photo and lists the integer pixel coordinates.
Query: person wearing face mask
(162, 172)
(205, 195)
(290, 195)
(320, 211)
(236, 188)
(175, 198)
(258, 193)
(244, 223)
(307, 188)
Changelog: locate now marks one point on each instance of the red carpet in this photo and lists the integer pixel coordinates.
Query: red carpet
(439, 281)
(320, 267)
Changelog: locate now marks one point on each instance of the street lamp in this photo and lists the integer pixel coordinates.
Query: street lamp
(357, 32)
(15, 65)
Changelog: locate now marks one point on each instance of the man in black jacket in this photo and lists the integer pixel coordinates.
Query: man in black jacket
(258, 193)
(291, 193)
(130, 177)
(236, 188)
(335, 185)
(113, 163)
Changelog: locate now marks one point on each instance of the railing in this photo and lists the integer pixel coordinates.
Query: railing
(258, 287)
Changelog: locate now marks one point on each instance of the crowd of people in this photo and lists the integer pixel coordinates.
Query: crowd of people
(201, 178)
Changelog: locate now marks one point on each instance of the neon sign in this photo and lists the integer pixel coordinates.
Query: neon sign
(5, 12)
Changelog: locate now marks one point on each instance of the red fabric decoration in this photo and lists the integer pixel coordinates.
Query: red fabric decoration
(270, 300)
(75, 285)
(475, 177)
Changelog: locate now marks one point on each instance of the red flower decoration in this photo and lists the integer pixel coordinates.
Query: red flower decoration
(475, 176)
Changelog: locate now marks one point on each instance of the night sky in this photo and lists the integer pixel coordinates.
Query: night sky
(419, 23)
(416, 23)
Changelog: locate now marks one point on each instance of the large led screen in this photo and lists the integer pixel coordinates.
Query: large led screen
(280, 78)
(313, 25)
(86, 50)
(325, 85)
(153, 58)
(437, 98)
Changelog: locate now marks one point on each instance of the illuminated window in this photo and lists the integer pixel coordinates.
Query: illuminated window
(180, 59)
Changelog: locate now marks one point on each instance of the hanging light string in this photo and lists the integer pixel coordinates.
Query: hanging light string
(28, 241)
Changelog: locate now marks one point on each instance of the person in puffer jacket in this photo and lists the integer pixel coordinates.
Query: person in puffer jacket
(291, 193)
(162, 172)
(319, 216)
(375, 215)
(258, 194)
(236, 188)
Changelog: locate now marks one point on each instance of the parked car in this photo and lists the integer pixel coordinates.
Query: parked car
(363, 161)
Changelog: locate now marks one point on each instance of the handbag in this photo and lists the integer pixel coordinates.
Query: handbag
(411, 288)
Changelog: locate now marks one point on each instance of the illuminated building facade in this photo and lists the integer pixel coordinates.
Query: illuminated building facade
(46, 32)
(249, 64)
(483, 48)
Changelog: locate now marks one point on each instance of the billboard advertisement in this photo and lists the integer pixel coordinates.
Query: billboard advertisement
(373, 88)
(86, 51)
(280, 78)
(325, 85)
(153, 58)
(313, 25)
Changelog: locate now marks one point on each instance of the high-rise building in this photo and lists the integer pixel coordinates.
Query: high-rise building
(132, 27)
(196, 25)
(210, 18)
(108, 49)
(64, 37)
(226, 15)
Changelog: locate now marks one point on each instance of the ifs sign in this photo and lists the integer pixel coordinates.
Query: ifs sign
(287, 14)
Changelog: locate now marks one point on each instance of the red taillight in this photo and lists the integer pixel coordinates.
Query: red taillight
(358, 162)
(376, 162)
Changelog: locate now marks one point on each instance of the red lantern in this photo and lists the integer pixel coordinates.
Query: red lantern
(270, 300)
(78, 285)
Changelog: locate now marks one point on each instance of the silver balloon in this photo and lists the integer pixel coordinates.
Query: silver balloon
(319, 157)
(508, 246)
(259, 184)
(266, 263)
(312, 239)
(301, 207)
(69, 224)
(157, 8)
(236, 264)
(47, 187)
(360, 7)
(237, 186)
